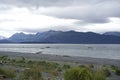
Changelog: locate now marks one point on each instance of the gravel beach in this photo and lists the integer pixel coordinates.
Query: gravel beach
(58, 58)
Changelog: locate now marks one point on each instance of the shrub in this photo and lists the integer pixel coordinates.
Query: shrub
(113, 67)
(21, 60)
(5, 57)
(117, 72)
(83, 73)
(2, 71)
(82, 66)
(31, 74)
(55, 72)
(105, 71)
(53, 65)
(65, 66)
(99, 76)
(59, 69)
(78, 74)
(91, 66)
(8, 73)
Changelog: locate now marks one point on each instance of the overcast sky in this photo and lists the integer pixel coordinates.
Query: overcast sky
(32, 16)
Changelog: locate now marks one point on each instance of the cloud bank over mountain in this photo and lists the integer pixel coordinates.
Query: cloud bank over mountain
(40, 15)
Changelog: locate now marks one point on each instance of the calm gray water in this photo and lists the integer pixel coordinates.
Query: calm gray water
(111, 51)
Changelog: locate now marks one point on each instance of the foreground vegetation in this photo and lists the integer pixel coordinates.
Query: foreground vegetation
(23, 69)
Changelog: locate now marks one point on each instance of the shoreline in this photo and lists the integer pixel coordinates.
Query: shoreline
(64, 58)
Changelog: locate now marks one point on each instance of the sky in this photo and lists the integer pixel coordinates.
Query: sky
(31, 16)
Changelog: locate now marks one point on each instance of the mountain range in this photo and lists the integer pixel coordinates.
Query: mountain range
(113, 33)
(70, 37)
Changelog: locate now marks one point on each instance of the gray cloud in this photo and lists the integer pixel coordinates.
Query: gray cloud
(55, 3)
(46, 3)
(87, 11)
(97, 13)
(57, 28)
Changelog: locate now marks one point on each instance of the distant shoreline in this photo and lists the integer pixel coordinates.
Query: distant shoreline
(64, 58)
(54, 43)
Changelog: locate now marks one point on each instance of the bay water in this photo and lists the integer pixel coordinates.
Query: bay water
(110, 51)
